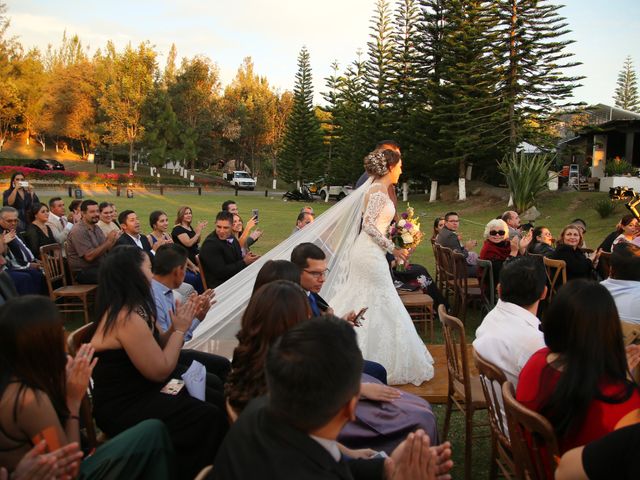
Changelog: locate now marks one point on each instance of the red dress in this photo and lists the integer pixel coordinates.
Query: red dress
(601, 418)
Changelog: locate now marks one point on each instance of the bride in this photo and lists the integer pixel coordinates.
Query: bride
(387, 334)
(358, 276)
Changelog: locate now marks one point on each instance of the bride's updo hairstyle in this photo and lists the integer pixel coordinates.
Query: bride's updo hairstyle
(379, 162)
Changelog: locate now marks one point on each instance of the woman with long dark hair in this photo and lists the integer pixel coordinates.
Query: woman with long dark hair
(38, 233)
(186, 235)
(20, 195)
(40, 395)
(541, 242)
(277, 270)
(581, 380)
(133, 375)
(159, 223)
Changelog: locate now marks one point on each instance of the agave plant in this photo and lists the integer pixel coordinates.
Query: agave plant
(527, 176)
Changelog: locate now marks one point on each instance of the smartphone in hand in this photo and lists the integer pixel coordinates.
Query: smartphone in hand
(360, 316)
(254, 213)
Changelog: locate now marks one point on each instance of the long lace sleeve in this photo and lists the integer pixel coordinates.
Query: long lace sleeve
(374, 208)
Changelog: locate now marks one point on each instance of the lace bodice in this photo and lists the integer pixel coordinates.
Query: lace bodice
(378, 213)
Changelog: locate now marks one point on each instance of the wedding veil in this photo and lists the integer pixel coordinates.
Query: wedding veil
(334, 231)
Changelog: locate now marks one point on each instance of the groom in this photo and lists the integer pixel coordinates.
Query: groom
(313, 270)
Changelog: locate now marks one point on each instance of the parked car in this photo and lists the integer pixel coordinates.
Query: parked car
(337, 191)
(45, 164)
(240, 179)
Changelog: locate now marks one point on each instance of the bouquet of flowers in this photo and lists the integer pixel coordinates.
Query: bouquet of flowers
(406, 233)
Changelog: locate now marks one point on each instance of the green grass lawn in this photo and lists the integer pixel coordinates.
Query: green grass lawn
(277, 218)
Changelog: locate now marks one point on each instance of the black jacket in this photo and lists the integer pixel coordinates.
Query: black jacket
(260, 445)
(220, 259)
(125, 239)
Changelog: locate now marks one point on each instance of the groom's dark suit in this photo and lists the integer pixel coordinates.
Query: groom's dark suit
(260, 445)
(221, 259)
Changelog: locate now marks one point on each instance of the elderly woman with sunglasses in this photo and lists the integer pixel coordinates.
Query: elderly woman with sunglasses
(497, 247)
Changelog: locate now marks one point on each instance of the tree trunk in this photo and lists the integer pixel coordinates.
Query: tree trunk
(130, 157)
(433, 194)
(462, 172)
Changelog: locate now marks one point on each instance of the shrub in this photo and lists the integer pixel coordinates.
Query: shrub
(527, 176)
(605, 207)
(618, 167)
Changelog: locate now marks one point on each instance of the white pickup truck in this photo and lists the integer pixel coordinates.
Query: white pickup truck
(240, 179)
(338, 192)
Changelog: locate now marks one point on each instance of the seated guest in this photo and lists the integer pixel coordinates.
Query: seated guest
(245, 236)
(497, 247)
(607, 243)
(438, 225)
(87, 245)
(168, 274)
(159, 223)
(582, 226)
(541, 242)
(303, 220)
(579, 381)
(221, 256)
(107, 221)
(512, 219)
(229, 206)
(135, 363)
(312, 263)
(448, 237)
(75, 214)
(285, 436)
(57, 221)
(624, 281)
(22, 265)
(38, 232)
(627, 230)
(277, 270)
(510, 333)
(568, 249)
(185, 235)
(612, 456)
(131, 233)
(40, 396)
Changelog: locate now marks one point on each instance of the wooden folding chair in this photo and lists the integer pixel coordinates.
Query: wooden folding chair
(201, 270)
(465, 390)
(492, 379)
(466, 288)
(604, 264)
(533, 440)
(556, 269)
(54, 272)
(74, 342)
(420, 308)
(447, 273)
(487, 285)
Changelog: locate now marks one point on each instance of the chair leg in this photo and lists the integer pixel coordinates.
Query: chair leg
(468, 443)
(447, 417)
(493, 469)
(85, 306)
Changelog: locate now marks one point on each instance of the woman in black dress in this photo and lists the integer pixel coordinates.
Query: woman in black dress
(135, 364)
(185, 235)
(38, 233)
(20, 195)
(567, 249)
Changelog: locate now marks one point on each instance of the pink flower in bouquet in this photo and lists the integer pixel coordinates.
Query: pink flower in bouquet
(408, 226)
(393, 231)
(405, 215)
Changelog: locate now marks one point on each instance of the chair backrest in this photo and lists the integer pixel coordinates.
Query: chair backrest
(80, 336)
(53, 264)
(492, 380)
(604, 264)
(455, 343)
(448, 266)
(556, 269)
(201, 270)
(533, 441)
(487, 284)
(74, 342)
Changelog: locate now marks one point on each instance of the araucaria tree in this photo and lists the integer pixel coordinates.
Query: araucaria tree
(626, 95)
(303, 139)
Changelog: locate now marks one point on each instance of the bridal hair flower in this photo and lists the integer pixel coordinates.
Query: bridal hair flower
(376, 164)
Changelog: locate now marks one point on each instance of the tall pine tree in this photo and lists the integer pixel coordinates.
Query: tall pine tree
(533, 59)
(303, 139)
(626, 94)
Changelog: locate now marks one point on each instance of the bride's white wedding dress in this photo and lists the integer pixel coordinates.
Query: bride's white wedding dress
(387, 334)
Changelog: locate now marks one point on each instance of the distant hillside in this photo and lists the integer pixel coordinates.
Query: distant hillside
(16, 147)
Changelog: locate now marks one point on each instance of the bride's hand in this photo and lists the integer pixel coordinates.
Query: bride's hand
(401, 254)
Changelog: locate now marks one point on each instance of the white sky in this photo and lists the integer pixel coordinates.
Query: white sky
(272, 33)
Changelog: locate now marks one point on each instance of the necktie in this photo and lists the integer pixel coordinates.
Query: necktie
(314, 306)
(62, 222)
